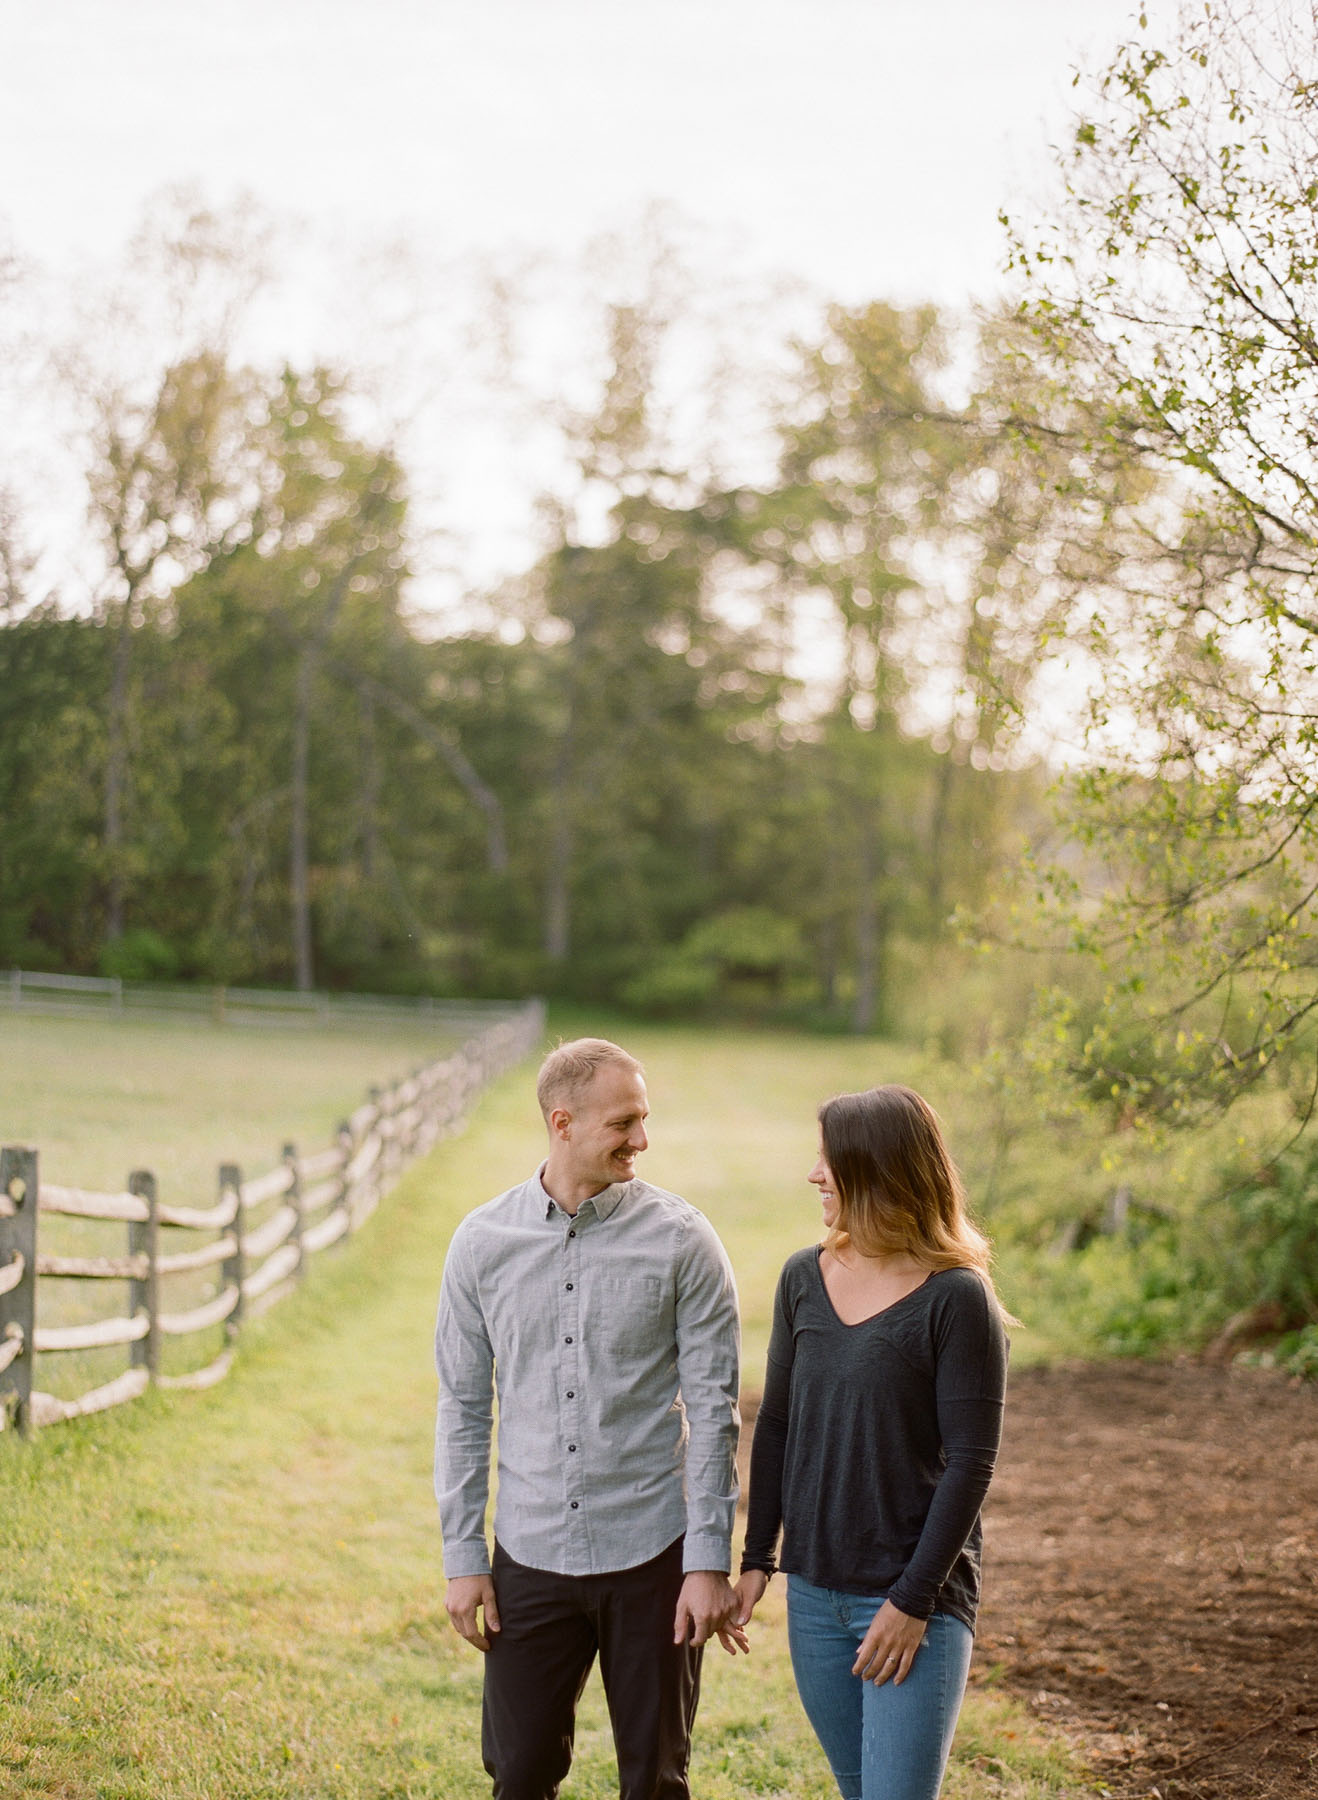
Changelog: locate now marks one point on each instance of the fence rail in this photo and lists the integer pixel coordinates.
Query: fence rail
(258, 1235)
(105, 996)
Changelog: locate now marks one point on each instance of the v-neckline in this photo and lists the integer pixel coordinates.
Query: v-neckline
(882, 1313)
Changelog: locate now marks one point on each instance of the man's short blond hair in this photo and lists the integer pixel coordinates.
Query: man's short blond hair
(568, 1071)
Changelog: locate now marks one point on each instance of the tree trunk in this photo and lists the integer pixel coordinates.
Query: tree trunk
(298, 831)
(370, 788)
(116, 779)
(936, 884)
(869, 937)
(558, 896)
(370, 817)
(562, 840)
(828, 961)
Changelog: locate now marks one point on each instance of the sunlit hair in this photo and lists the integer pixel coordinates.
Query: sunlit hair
(897, 1187)
(568, 1071)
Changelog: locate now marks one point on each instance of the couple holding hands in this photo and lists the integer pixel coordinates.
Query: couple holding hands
(601, 1312)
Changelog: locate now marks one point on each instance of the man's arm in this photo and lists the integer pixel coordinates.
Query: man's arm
(464, 1419)
(708, 1362)
(708, 1366)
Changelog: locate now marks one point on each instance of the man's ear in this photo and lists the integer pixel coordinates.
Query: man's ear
(560, 1122)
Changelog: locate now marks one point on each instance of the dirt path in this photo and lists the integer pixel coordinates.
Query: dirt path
(1151, 1575)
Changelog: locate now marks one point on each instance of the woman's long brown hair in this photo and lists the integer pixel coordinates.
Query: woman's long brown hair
(897, 1187)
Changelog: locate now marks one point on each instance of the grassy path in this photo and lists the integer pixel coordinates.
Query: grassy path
(238, 1594)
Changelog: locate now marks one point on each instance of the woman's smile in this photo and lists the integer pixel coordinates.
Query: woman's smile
(822, 1178)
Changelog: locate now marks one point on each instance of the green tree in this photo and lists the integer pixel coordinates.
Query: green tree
(646, 681)
(292, 629)
(330, 545)
(884, 494)
(54, 676)
(167, 488)
(1171, 299)
(165, 420)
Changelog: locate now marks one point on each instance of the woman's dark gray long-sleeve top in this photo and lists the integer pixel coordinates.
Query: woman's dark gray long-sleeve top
(875, 1442)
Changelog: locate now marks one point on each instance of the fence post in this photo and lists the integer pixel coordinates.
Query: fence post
(393, 1144)
(376, 1174)
(425, 1132)
(383, 1098)
(234, 1268)
(18, 1304)
(342, 1203)
(144, 1240)
(416, 1128)
(452, 1076)
(295, 1201)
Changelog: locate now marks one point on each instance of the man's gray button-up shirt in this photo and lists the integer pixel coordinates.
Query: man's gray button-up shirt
(610, 1340)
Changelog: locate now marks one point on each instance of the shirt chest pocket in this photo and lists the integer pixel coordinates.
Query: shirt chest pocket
(630, 1316)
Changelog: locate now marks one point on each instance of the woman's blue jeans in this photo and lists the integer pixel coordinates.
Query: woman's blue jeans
(883, 1743)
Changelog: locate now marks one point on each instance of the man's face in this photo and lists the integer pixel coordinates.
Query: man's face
(606, 1130)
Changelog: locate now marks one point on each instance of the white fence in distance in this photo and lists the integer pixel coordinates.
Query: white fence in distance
(107, 997)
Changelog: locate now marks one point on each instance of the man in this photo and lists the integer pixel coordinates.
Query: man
(602, 1312)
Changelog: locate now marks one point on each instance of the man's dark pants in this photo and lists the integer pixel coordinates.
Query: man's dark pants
(552, 1628)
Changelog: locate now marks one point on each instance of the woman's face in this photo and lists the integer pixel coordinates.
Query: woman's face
(822, 1176)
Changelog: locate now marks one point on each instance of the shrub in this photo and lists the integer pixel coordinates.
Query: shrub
(139, 955)
(745, 956)
(1294, 1354)
(1244, 1264)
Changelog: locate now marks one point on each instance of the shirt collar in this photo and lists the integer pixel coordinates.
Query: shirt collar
(605, 1203)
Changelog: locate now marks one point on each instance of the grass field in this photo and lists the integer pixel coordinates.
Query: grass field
(100, 1098)
(238, 1594)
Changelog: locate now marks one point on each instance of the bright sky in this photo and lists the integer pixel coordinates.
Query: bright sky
(867, 144)
(862, 146)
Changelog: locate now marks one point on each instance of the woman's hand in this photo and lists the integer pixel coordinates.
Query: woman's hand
(749, 1589)
(888, 1648)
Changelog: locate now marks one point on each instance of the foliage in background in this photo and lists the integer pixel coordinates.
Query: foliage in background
(1170, 303)
(1243, 1265)
(248, 766)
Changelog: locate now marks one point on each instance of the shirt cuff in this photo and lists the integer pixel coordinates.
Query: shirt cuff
(913, 1608)
(706, 1553)
(470, 1558)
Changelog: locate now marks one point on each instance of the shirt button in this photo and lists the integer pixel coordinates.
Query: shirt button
(572, 1393)
(569, 1287)
(572, 1447)
(572, 1234)
(567, 1340)
(573, 1505)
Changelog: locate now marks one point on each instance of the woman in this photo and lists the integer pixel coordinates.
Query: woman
(874, 1446)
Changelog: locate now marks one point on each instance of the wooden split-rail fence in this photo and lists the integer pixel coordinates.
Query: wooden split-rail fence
(252, 1245)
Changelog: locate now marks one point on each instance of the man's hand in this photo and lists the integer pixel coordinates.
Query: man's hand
(462, 1596)
(748, 1593)
(705, 1609)
(888, 1648)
